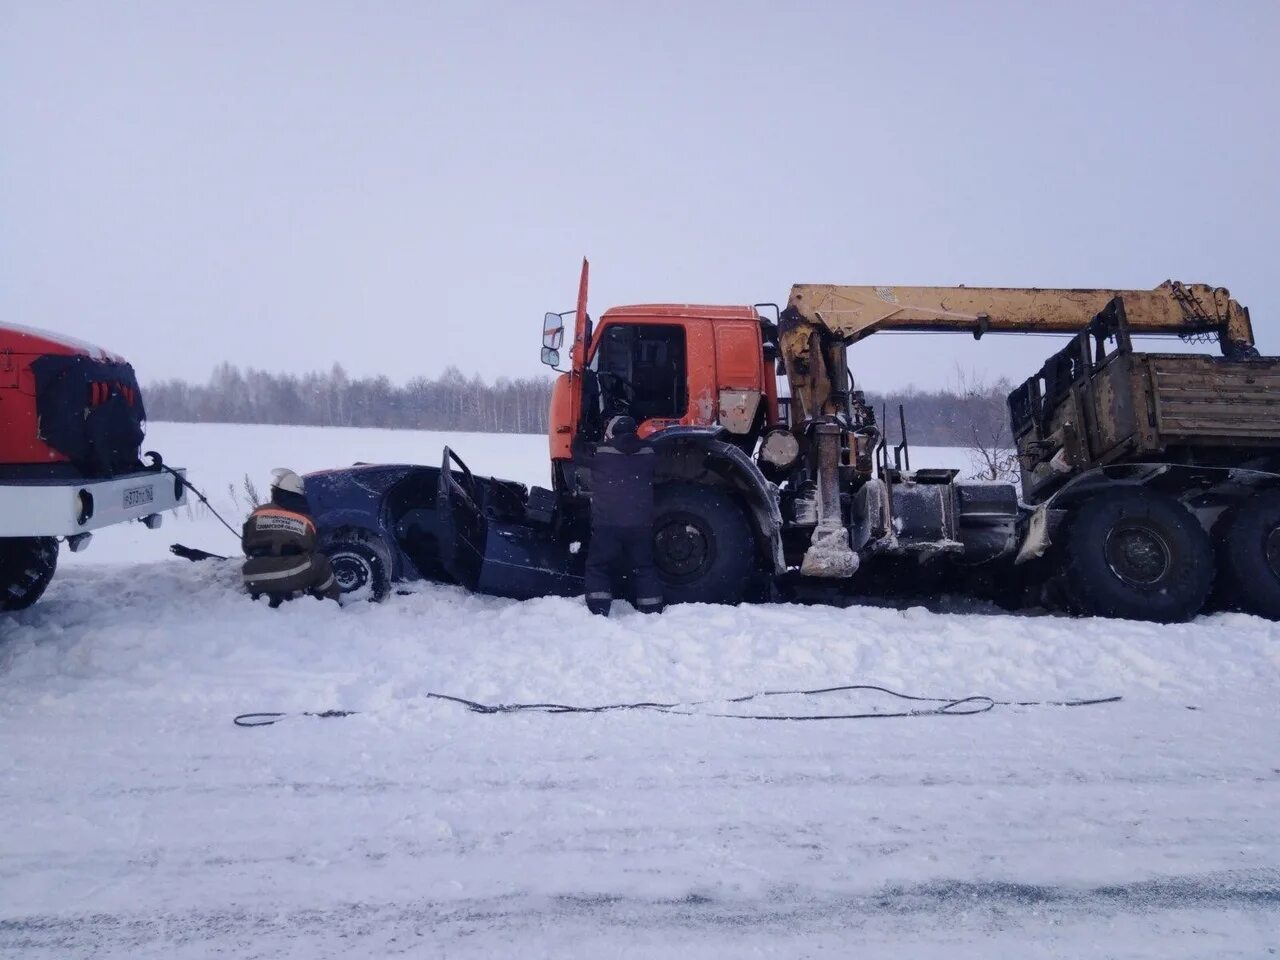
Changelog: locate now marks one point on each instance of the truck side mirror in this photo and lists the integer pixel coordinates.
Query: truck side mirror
(552, 333)
(550, 356)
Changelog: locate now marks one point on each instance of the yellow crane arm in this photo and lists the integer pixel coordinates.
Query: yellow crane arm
(822, 319)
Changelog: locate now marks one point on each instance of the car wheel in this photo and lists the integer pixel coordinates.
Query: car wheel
(361, 565)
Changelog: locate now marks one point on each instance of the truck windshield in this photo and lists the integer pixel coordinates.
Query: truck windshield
(642, 371)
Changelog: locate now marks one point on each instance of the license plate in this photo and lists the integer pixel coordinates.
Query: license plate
(137, 496)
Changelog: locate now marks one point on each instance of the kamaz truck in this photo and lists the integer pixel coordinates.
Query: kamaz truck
(1150, 482)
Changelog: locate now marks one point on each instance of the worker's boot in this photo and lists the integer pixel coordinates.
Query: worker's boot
(599, 603)
(326, 587)
(649, 604)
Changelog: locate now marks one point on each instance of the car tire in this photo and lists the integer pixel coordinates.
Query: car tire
(1137, 555)
(1248, 544)
(27, 565)
(703, 548)
(361, 565)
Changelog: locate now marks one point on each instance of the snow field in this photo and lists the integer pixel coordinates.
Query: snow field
(142, 823)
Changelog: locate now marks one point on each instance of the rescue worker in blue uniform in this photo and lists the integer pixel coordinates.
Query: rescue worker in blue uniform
(622, 507)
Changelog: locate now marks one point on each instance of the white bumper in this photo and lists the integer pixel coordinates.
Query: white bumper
(64, 508)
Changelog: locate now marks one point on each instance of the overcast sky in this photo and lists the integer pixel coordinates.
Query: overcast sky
(402, 186)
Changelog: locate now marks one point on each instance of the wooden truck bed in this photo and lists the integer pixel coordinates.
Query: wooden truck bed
(1197, 400)
(1097, 402)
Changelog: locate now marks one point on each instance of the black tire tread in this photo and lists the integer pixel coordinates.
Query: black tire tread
(355, 537)
(726, 582)
(1246, 581)
(1092, 588)
(27, 565)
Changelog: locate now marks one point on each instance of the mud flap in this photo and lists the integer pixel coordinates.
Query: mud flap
(1037, 539)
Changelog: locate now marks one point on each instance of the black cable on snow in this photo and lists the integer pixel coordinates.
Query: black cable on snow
(946, 707)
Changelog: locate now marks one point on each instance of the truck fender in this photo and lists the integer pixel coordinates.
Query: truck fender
(758, 493)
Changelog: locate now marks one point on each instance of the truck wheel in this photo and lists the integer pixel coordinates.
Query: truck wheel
(1249, 556)
(361, 565)
(26, 567)
(702, 545)
(1137, 555)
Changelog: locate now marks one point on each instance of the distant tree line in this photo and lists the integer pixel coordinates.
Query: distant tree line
(967, 412)
(333, 399)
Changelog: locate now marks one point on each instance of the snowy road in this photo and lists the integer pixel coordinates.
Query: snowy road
(141, 823)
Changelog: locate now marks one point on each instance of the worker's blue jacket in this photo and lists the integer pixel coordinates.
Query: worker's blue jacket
(622, 483)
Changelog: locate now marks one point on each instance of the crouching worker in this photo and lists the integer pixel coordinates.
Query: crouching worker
(622, 519)
(279, 542)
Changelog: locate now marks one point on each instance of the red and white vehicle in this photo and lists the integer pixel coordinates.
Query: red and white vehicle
(71, 429)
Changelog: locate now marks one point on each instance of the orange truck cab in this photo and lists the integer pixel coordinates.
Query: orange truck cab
(665, 365)
(668, 365)
(700, 383)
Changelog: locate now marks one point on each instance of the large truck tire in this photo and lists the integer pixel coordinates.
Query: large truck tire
(702, 545)
(1248, 542)
(26, 567)
(361, 564)
(1137, 555)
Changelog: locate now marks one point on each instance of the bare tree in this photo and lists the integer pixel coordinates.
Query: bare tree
(988, 439)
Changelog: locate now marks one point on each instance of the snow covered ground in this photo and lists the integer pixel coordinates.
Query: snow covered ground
(139, 822)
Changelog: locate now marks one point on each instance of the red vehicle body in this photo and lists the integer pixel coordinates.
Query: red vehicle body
(71, 425)
(20, 441)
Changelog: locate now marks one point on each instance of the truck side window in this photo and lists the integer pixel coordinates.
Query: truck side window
(642, 370)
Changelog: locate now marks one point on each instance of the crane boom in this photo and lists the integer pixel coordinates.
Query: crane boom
(822, 319)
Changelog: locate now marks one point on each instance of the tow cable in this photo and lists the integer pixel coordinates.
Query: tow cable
(190, 553)
(947, 707)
